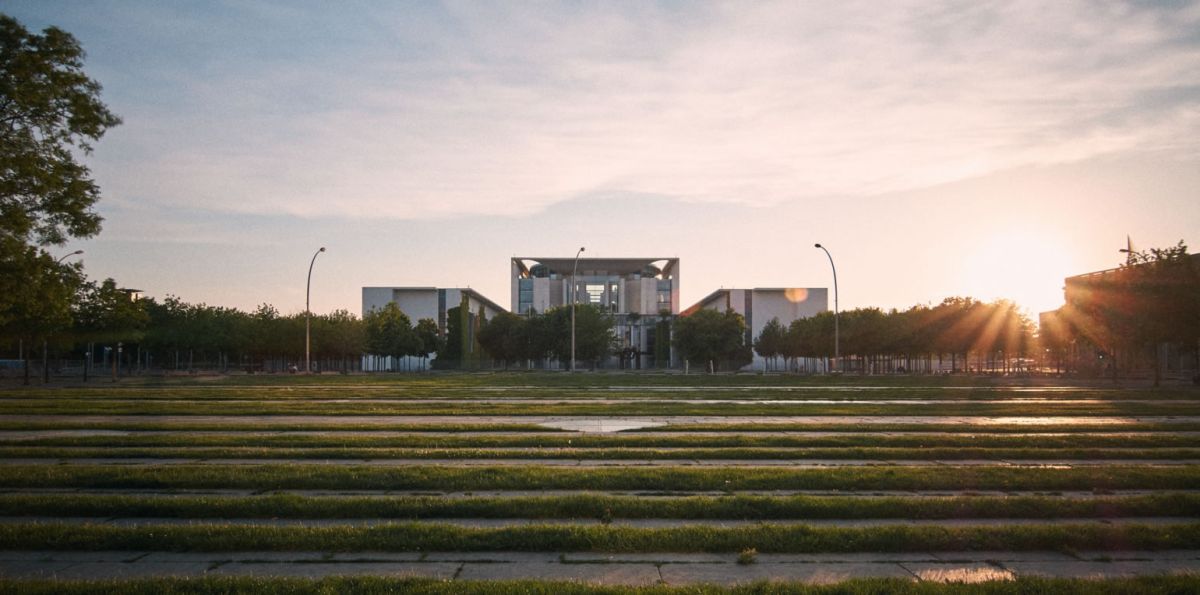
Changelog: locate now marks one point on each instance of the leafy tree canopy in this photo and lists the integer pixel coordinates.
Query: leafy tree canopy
(50, 110)
(709, 335)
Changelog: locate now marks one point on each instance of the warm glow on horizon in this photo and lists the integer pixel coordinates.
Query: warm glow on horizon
(1026, 266)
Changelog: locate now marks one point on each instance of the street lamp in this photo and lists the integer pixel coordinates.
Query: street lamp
(66, 256)
(308, 314)
(574, 270)
(836, 338)
(45, 341)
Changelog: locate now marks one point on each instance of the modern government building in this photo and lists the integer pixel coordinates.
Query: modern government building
(640, 294)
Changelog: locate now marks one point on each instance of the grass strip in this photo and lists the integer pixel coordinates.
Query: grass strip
(534, 477)
(187, 426)
(189, 407)
(570, 440)
(598, 506)
(213, 585)
(626, 454)
(425, 537)
(969, 428)
(66, 423)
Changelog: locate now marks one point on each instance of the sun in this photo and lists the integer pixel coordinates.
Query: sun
(1026, 266)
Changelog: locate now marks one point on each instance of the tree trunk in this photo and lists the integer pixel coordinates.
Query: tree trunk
(1157, 365)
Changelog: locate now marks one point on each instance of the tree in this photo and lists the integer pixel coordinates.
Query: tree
(390, 333)
(711, 336)
(342, 336)
(770, 341)
(431, 341)
(105, 313)
(50, 111)
(450, 356)
(594, 337)
(502, 337)
(35, 295)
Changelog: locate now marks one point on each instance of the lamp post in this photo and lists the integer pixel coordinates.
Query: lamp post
(574, 270)
(45, 341)
(308, 314)
(836, 338)
(66, 256)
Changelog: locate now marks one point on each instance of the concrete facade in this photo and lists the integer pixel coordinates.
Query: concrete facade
(643, 286)
(427, 302)
(637, 292)
(760, 305)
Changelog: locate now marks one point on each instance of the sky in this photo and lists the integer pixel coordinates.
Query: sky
(937, 149)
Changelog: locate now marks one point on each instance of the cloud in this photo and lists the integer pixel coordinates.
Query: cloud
(510, 108)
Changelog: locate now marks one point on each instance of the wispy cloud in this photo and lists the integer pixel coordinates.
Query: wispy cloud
(509, 108)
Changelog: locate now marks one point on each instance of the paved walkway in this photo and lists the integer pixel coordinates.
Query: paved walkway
(20, 435)
(600, 400)
(335, 420)
(620, 569)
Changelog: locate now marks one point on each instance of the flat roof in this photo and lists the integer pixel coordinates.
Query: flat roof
(467, 290)
(725, 290)
(618, 266)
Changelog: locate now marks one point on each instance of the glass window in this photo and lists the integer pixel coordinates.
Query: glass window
(595, 293)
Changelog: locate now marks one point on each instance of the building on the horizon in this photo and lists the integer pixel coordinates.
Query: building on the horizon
(435, 303)
(760, 305)
(638, 292)
(641, 295)
(1076, 343)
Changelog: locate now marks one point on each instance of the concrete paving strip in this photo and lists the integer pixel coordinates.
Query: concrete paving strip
(636, 523)
(791, 463)
(265, 421)
(608, 453)
(599, 568)
(20, 435)
(600, 400)
(232, 493)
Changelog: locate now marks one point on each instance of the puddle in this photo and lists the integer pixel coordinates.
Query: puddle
(975, 573)
(600, 426)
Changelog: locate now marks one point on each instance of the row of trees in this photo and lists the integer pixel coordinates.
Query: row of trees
(510, 339)
(997, 333)
(182, 335)
(176, 335)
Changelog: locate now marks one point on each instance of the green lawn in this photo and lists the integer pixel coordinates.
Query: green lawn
(341, 401)
(534, 477)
